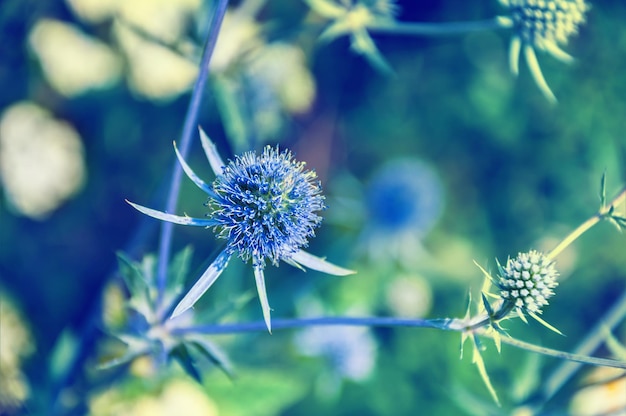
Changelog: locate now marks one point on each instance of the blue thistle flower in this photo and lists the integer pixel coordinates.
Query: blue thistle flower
(264, 206)
(542, 25)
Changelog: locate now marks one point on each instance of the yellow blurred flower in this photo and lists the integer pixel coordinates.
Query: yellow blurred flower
(177, 397)
(15, 345)
(41, 160)
(71, 61)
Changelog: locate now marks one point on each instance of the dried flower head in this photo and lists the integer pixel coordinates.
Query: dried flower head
(264, 206)
(528, 281)
(543, 25)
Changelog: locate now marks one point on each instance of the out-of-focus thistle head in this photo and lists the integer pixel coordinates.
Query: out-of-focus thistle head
(544, 25)
(354, 18)
(527, 281)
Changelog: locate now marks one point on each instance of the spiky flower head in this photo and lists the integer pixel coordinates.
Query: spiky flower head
(528, 280)
(265, 205)
(543, 23)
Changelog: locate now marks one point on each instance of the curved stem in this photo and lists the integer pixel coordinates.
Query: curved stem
(184, 145)
(582, 228)
(444, 324)
(584, 359)
(436, 29)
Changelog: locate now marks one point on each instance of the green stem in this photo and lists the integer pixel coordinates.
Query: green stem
(584, 227)
(584, 359)
(437, 29)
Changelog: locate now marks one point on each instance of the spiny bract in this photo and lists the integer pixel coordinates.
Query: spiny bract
(264, 206)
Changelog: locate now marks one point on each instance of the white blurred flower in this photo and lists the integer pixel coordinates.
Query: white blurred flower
(409, 296)
(41, 160)
(350, 353)
(73, 62)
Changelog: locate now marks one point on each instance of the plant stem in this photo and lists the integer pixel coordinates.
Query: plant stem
(443, 324)
(584, 227)
(583, 359)
(184, 145)
(436, 29)
(589, 344)
(322, 321)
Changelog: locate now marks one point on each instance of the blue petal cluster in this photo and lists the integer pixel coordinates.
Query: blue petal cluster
(265, 205)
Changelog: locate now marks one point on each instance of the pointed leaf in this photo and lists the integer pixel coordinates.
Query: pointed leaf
(514, 52)
(466, 317)
(618, 350)
(521, 315)
(319, 264)
(132, 275)
(211, 153)
(480, 364)
(497, 336)
(214, 354)
(363, 43)
(487, 305)
(259, 277)
(487, 275)
(544, 323)
(178, 269)
(335, 30)
(129, 356)
(326, 8)
(182, 355)
(203, 284)
(535, 71)
(616, 223)
(603, 191)
(553, 49)
(198, 222)
(192, 175)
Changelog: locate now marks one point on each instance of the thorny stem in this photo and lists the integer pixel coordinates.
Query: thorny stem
(165, 243)
(443, 324)
(600, 215)
(436, 29)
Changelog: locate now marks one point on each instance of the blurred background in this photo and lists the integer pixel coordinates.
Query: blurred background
(448, 160)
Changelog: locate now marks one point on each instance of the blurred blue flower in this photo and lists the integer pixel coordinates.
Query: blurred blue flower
(404, 200)
(264, 206)
(349, 351)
